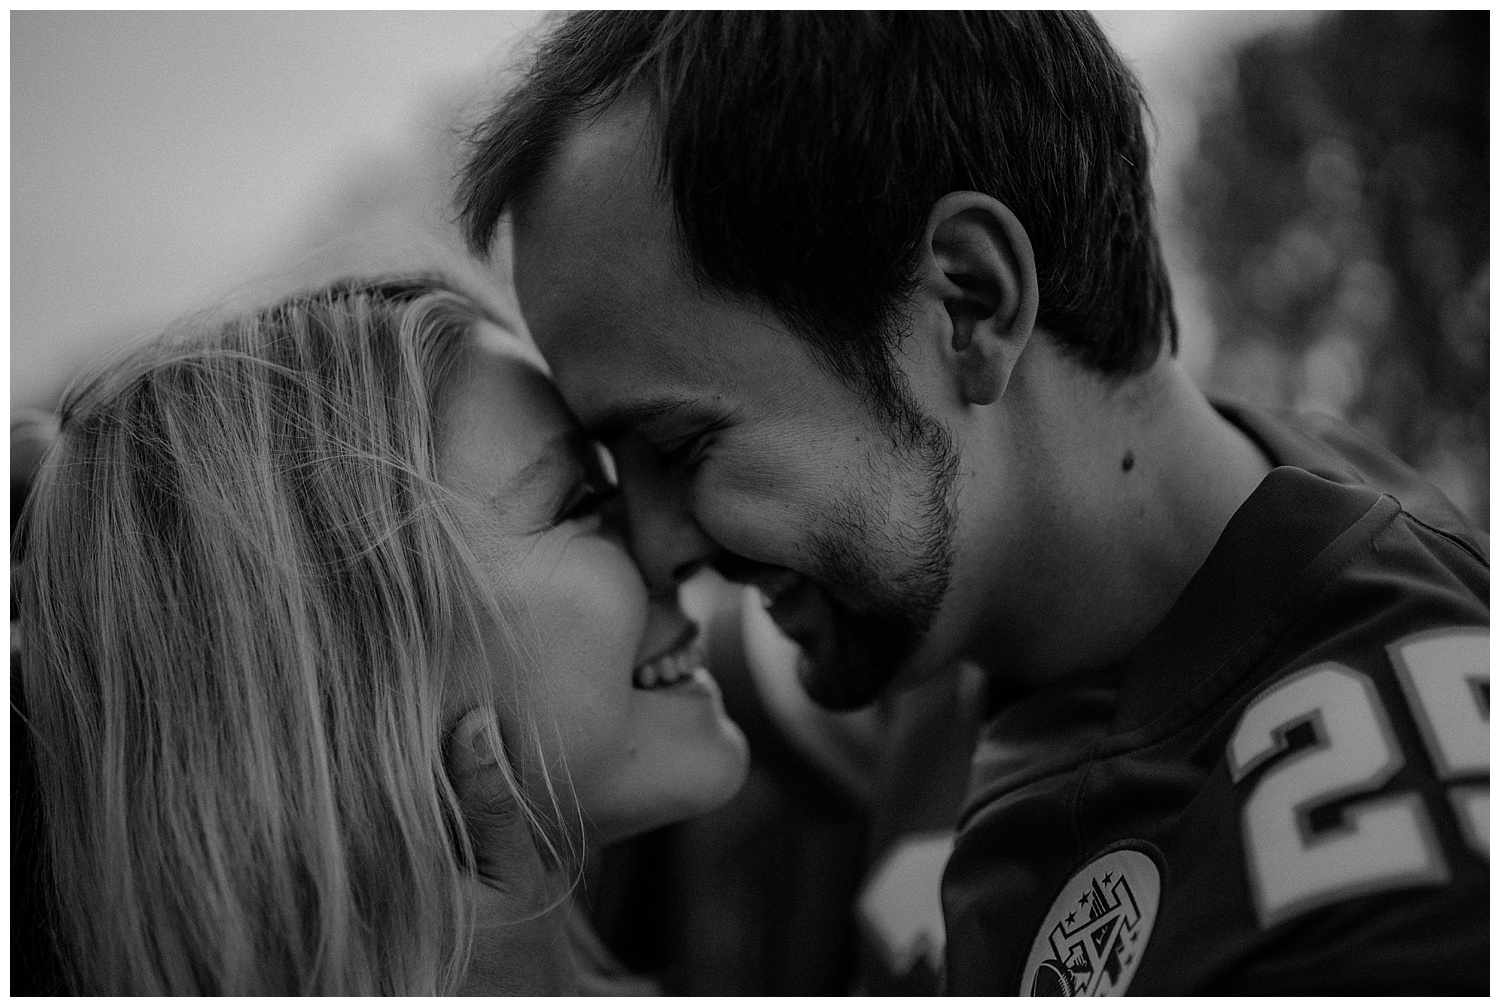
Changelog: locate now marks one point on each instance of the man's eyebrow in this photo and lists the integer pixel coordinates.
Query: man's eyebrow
(630, 416)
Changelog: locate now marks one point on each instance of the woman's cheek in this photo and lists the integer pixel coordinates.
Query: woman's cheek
(589, 613)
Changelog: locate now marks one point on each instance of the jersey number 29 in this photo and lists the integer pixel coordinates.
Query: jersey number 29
(1348, 750)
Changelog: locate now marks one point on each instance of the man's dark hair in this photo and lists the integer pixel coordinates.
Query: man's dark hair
(804, 151)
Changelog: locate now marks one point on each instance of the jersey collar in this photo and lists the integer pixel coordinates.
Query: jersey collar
(1280, 546)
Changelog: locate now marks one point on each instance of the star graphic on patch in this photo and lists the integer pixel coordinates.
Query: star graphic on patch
(1094, 947)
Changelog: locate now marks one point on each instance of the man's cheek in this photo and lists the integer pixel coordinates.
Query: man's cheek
(761, 513)
(771, 540)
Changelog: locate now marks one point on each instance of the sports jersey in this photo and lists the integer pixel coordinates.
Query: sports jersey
(1283, 789)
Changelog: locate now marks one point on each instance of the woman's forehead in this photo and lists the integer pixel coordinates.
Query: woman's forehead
(496, 337)
(505, 414)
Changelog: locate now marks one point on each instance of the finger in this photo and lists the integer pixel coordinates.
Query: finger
(504, 849)
(519, 946)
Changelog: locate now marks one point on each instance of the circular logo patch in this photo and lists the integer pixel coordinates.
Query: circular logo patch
(1093, 937)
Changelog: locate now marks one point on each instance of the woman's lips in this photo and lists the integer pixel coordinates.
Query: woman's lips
(674, 666)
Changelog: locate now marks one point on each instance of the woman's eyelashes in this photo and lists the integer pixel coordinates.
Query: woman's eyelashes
(594, 484)
(585, 500)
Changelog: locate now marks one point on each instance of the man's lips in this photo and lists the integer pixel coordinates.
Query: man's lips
(787, 606)
(804, 613)
(774, 584)
(842, 653)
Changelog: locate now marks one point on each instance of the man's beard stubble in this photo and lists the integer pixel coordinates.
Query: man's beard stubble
(880, 616)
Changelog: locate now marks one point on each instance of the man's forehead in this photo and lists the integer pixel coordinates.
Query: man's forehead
(602, 177)
(637, 372)
(617, 143)
(594, 239)
(598, 265)
(609, 299)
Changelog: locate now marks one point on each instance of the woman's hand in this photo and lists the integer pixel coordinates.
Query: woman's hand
(519, 946)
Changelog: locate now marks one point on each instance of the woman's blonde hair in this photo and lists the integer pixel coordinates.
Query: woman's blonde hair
(241, 593)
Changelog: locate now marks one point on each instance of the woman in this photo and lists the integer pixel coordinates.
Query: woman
(270, 570)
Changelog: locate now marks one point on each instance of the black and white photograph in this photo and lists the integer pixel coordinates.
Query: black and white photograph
(749, 503)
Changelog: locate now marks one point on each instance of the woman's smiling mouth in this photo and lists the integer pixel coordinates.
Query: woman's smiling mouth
(673, 667)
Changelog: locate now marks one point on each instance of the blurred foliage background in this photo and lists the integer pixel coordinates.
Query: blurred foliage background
(1338, 205)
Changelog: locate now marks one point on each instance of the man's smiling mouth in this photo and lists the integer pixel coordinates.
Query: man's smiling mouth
(773, 585)
(802, 611)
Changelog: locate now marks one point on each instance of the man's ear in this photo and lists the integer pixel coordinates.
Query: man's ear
(978, 262)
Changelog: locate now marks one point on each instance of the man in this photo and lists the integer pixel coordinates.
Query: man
(871, 311)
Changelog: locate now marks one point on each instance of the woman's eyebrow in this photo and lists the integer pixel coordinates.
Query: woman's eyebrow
(557, 454)
(566, 452)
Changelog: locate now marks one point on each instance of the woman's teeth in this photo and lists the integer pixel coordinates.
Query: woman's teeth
(669, 669)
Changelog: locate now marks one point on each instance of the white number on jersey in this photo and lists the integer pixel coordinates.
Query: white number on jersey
(1349, 750)
(1380, 843)
(1446, 676)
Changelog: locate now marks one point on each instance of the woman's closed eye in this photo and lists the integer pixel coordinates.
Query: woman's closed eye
(594, 487)
(585, 500)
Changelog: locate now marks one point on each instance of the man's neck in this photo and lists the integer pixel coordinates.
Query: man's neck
(1125, 490)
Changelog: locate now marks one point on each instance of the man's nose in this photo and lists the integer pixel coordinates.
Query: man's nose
(667, 541)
